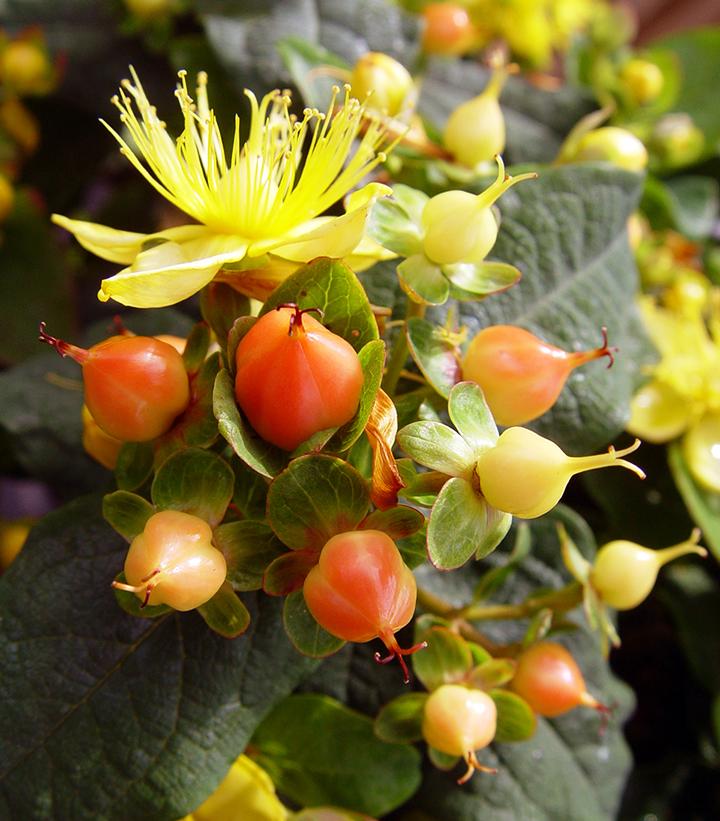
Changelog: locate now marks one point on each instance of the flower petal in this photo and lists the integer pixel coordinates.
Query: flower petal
(658, 414)
(107, 243)
(170, 272)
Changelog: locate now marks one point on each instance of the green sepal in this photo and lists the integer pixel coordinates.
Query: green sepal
(398, 522)
(328, 284)
(515, 719)
(131, 604)
(249, 547)
(578, 566)
(194, 481)
(262, 457)
(225, 614)
(470, 414)
(134, 465)
(476, 280)
(400, 721)
(127, 513)
(446, 659)
(305, 634)
(420, 488)
(250, 494)
(496, 577)
(413, 549)
(220, 306)
(480, 654)
(423, 281)
(196, 426)
(390, 224)
(237, 331)
(463, 524)
(539, 626)
(372, 360)
(492, 673)
(442, 761)
(435, 355)
(287, 572)
(196, 348)
(437, 447)
(314, 498)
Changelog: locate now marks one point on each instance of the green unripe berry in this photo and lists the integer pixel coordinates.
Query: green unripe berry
(387, 81)
(701, 448)
(613, 145)
(624, 573)
(525, 474)
(642, 81)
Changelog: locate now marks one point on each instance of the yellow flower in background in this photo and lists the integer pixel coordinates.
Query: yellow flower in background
(257, 204)
(683, 396)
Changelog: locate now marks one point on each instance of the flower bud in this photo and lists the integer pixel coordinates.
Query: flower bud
(676, 140)
(25, 67)
(525, 474)
(387, 81)
(642, 81)
(624, 573)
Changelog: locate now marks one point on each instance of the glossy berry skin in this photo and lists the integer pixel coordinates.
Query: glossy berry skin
(294, 380)
(521, 375)
(174, 562)
(361, 589)
(525, 474)
(624, 573)
(383, 80)
(459, 721)
(613, 145)
(135, 386)
(548, 678)
(448, 29)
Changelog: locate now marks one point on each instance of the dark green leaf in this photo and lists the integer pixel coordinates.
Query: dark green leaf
(249, 547)
(332, 287)
(320, 752)
(194, 481)
(315, 498)
(225, 614)
(398, 522)
(221, 305)
(400, 721)
(462, 524)
(495, 577)
(304, 632)
(127, 513)
(287, 573)
(372, 359)
(567, 232)
(250, 491)
(434, 353)
(237, 331)
(196, 347)
(134, 465)
(688, 204)
(704, 506)
(515, 720)
(262, 457)
(91, 686)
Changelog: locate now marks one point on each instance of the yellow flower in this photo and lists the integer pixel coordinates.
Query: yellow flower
(257, 206)
(683, 396)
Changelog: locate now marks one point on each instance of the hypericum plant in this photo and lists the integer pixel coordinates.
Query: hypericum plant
(295, 378)
(135, 386)
(520, 374)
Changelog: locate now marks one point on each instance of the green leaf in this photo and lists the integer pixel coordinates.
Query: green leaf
(515, 719)
(441, 760)
(316, 497)
(400, 721)
(328, 284)
(320, 752)
(492, 673)
(287, 573)
(471, 416)
(480, 279)
(237, 331)
(463, 524)
(127, 513)
(225, 614)
(196, 347)
(688, 204)
(437, 447)
(249, 547)
(494, 578)
(250, 494)
(194, 481)
(699, 55)
(221, 305)
(262, 457)
(391, 226)
(304, 632)
(446, 659)
(704, 506)
(92, 686)
(435, 355)
(372, 360)
(423, 280)
(567, 232)
(398, 522)
(134, 465)
(300, 58)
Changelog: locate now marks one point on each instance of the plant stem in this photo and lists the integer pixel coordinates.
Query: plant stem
(566, 598)
(399, 354)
